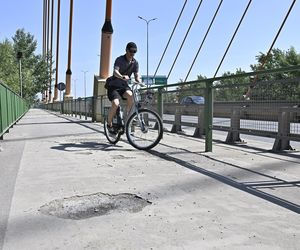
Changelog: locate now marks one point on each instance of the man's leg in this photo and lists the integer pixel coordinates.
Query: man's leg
(129, 99)
(112, 111)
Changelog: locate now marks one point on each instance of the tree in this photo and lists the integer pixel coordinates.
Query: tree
(277, 90)
(8, 66)
(35, 68)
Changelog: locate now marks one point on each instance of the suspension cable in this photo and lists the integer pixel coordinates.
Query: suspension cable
(237, 28)
(264, 60)
(211, 23)
(170, 38)
(196, 12)
(288, 13)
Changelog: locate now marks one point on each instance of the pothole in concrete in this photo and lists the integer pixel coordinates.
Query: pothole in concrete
(86, 206)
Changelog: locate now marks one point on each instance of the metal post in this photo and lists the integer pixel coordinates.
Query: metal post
(84, 72)
(19, 57)
(147, 22)
(21, 82)
(208, 116)
(160, 102)
(75, 80)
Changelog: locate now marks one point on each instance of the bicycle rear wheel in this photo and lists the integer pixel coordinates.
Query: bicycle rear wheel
(144, 130)
(112, 138)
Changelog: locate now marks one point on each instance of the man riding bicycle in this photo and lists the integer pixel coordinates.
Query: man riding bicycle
(118, 87)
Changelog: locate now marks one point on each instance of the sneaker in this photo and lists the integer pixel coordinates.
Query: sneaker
(135, 121)
(111, 130)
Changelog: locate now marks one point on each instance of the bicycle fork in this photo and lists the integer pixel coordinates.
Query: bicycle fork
(140, 119)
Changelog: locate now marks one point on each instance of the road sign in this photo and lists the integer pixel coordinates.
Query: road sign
(157, 80)
(61, 86)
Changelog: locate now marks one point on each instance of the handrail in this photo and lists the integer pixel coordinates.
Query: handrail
(12, 108)
(248, 74)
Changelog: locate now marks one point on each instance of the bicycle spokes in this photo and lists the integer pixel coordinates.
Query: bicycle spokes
(142, 130)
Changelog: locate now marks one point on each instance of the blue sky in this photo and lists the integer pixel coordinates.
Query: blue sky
(254, 36)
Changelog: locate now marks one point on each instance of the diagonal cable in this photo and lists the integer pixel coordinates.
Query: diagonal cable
(170, 38)
(196, 12)
(269, 51)
(211, 23)
(288, 13)
(236, 30)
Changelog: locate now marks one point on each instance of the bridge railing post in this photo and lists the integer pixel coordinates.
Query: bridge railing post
(208, 114)
(235, 120)
(282, 142)
(160, 102)
(199, 130)
(177, 120)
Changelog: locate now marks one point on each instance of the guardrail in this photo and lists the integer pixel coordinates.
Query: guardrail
(272, 111)
(12, 108)
(81, 107)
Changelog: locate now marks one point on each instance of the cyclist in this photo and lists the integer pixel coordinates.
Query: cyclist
(118, 87)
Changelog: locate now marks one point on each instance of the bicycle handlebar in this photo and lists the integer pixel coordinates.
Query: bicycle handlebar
(136, 83)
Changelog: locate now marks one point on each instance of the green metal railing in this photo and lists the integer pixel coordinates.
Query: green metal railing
(12, 108)
(211, 90)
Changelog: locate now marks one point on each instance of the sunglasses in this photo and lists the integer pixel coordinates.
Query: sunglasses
(132, 51)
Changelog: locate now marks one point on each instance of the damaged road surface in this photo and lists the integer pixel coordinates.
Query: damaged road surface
(82, 207)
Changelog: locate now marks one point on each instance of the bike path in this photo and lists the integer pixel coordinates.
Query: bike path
(234, 198)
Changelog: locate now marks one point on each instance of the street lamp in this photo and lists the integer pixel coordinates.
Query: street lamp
(75, 80)
(19, 57)
(84, 72)
(147, 22)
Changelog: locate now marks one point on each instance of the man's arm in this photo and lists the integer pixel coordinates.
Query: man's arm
(137, 77)
(119, 75)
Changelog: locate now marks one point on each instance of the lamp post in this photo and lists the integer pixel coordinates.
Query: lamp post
(75, 80)
(19, 57)
(147, 22)
(84, 72)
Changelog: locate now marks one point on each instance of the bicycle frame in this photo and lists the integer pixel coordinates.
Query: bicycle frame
(135, 107)
(136, 124)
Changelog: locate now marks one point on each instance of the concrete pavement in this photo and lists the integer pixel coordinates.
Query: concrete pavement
(238, 197)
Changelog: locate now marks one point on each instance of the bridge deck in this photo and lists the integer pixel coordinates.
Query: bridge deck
(233, 198)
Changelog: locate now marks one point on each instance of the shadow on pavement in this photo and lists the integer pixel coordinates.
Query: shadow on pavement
(241, 186)
(83, 146)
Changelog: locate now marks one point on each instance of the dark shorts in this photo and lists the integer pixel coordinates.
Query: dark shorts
(117, 92)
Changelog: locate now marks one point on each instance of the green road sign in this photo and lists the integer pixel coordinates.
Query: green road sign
(157, 80)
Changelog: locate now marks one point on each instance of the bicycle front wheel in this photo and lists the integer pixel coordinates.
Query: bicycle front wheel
(112, 138)
(144, 129)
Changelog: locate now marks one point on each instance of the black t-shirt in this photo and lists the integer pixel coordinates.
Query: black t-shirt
(122, 64)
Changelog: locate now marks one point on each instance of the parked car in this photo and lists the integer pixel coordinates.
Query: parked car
(194, 99)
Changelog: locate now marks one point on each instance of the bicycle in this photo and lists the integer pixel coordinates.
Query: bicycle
(143, 128)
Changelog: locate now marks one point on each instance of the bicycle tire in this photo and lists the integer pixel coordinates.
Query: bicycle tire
(153, 128)
(112, 139)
